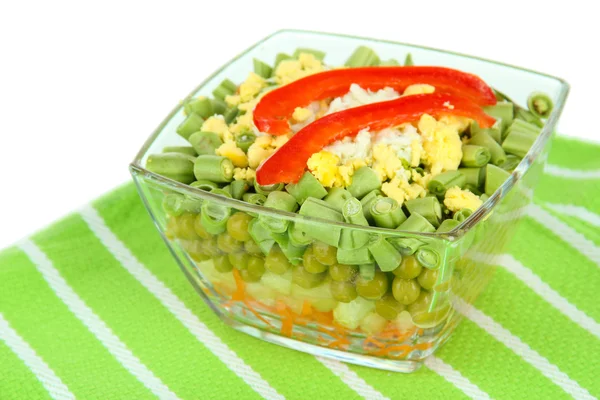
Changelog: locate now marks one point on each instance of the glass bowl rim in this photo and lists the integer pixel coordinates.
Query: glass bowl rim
(469, 223)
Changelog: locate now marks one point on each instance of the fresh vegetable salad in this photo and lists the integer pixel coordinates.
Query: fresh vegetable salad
(371, 143)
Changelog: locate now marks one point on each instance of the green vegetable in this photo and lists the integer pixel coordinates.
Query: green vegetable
(237, 226)
(388, 307)
(205, 142)
(342, 272)
(460, 216)
(225, 88)
(261, 236)
(496, 152)
(200, 105)
(405, 291)
(214, 216)
(319, 55)
(427, 207)
(389, 63)
(191, 124)
(364, 180)
(473, 176)
(304, 279)
(386, 256)
(307, 186)
(213, 168)
(386, 212)
(511, 162)
(414, 223)
(343, 291)
(265, 190)
(354, 256)
(324, 253)
(409, 269)
(262, 69)
(180, 149)
(519, 138)
(245, 140)
(366, 204)
(219, 106)
(280, 201)
(353, 238)
(540, 104)
(176, 166)
(231, 114)
(449, 224)
(408, 61)
(503, 110)
(475, 156)
(444, 181)
(239, 189)
(276, 262)
(281, 57)
(494, 178)
(372, 289)
(337, 197)
(313, 207)
(362, 57)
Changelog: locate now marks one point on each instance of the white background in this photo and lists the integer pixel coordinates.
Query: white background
(82, 85)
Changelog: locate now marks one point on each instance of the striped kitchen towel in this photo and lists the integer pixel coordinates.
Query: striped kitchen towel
(94, 307)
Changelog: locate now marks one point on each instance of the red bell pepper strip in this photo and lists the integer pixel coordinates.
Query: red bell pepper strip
(276, 107)
(288, 163)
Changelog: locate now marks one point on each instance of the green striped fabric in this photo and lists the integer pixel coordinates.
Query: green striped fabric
(94, 307)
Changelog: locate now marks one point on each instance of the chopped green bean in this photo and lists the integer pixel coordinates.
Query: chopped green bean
(494, 178)
(524, 115)
(518, 142)
(353, 214)
(231, 114)
(429, 256)
(254, 198)
(201, 105)
(214, 216)
(261, 68)
(473, 176)
(291, 251)
(267, 188)
(239, 188)
(364, 180)
(498, 156)
(282, 201)
(511, 162)
(503, 110)
(205, 142)
(316, 208)
(225, 88)
(444, 181)
(191, 124)
(177, 204)
(298, 237)
(366, 204)
(180, 149)
(176, 166)
(540, 104)
(213, 168)
(219, 106)
(461, 215)
(307, 186)
(427, 207)
(473, 189)
(319, 55)
(414, 223)
(408, 61)
(366, 271)
(245, 140)
(386, 212)
(475, 156)
(261, 236)
(362, 57)
(355, 256)
(281, 57)
(337, 197)
(386, 256)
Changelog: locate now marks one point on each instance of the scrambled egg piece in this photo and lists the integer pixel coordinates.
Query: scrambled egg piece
(233, 100)
(301, 114)
(385, 161)
(456, 199)
(244, 123)
(421, 180)
(400, 190)
(456, 122)
(230, 150)
(416, 148)
(263, 147)
(419, 88)
(441, 144)
(217, 125)
(289, 70)
(251, 87)
(247, 174)
(325, 167)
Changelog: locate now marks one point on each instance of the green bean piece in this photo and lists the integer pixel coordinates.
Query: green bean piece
(237, 226)
(256, 266)
(473, 189)
(409, 268)
(185, 227)
(324, 253)
(200, 105)
(388, 307)
(293, 252)
(238, 260)
(518, 141)
(191, 124)
(392, 62)
(498, 156)
(405, 291)
(227, 188)
(364, 180)
(245, 140)
(205, 142)
(316, 208)
(503, 110)
(386, 212)
(386, 256)
(231, 114)
(495, 131)
(297, 236)
(188, 150)
(337, 197)
(219, 106)
(262, 69)
(343, 291)
(484, 197)
(222, 264)
(265, 190)
(362, 57)
(366, 204)
(228, 244)
(372, 289)
(252, 248)
(239, 188)
(428, 278)
(311, 264)
(444, 181)
(540, 104)
(408, 61)
(224, 89)
(366, 271)
(524, 115)
(414, 223)
(342, 272)
(475, 156)
(254, 198)
(427, 207)
(353, 214)
(306, 280)
(354, 256)
(214, 216)
(213, 168)
(261, 236)
(281, 57)
(176, 166)
(282, 201)
(511, 163)
(494, 178)
(176, 204)
(319, 55)
(276, 262)
(461, 215)
(199, 228)
(307, 186)
(429, 257)
(473, 176)
(448, 224)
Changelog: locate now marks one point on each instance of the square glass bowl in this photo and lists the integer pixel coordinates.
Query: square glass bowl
(290, 306)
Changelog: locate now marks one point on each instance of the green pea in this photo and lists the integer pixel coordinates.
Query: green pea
(227, 244)
(237, 226)
(199, 228)
(256, 266)
(248, 277)
(171, 228)
(195, 248)
(210, 247)
(342, 272)
(311, 264)
(421, 304)
(343, 291)
(222, 264)
(373, 289)
(406, 291)
(305, 279)
(388, 307)
(239, 260)
(324, 253)
(428, 278)
(252, 248)
(409, 268)
(276, 261)
(185, 226)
